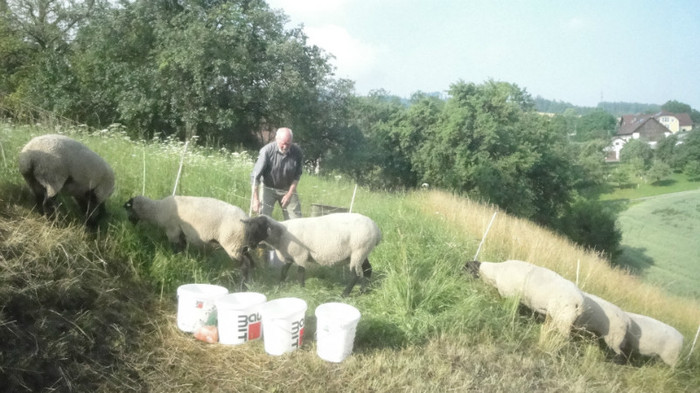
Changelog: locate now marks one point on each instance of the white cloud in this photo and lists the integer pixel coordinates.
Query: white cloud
(352, 56)
(303, 9)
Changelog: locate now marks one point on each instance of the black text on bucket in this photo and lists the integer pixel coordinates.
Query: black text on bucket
(297, 333)
(249, 326)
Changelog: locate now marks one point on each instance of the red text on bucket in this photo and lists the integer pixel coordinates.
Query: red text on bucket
(297, 333)
(249, 326)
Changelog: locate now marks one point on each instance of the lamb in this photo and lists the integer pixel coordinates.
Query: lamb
(606, 320)
(538, 288)
(327, 240)
(198, 221)
(52, 163)
(650, 337)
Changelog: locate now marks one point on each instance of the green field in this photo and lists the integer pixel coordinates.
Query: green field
(96, 312)
(660, 241)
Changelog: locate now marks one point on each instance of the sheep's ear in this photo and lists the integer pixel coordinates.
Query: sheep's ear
(129, 204)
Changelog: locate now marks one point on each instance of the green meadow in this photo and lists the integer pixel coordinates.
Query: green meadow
(97, 311)
(660, 241)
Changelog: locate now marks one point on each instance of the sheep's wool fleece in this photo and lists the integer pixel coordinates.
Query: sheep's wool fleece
(604, 319)
(539, 288)
(330, 239)
(201, 219)
(650, 337)
(54, 158)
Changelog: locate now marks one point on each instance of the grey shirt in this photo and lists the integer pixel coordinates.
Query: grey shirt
(276, 169)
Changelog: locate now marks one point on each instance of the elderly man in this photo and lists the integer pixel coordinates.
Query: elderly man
(279, 165)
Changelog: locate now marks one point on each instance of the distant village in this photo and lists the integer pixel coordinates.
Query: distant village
(649, 128)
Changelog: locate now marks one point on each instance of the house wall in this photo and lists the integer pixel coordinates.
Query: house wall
(670, 122)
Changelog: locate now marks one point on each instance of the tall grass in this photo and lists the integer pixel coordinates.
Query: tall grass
(425, 325)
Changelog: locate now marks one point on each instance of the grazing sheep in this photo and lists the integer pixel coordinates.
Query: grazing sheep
(606, 320)
(650, 337)
(198, 221)
(327, 240)
(52, 163)
(538, 288)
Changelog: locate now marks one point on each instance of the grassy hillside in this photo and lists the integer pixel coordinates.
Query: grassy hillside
(660, 241)
(103, 306)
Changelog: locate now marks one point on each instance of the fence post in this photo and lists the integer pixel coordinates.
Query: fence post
(485, 233)
(179, 171)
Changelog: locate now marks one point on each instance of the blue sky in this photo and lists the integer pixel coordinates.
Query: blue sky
(580, 52)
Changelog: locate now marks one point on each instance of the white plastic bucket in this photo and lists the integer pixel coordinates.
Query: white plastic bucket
(335, 330)
(239, 318)
(283, 324)
(196, 305)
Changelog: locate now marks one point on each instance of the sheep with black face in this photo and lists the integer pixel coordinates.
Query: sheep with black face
(196, 220)
(327, 240)
(538, 288)
(54, 163)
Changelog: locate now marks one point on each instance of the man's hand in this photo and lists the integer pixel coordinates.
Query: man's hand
(285, 199)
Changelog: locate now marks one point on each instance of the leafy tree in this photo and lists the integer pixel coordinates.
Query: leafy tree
(692, 170)
(666, 149)
(638, 151)
(222, 70)
(689, 150)
(620, 175)
(674, 106)
(659, 170)
(623, 108)
(590, 163)
(592, 225)
(489, 143)
(595, 125)
(379, 116)
(36, 40)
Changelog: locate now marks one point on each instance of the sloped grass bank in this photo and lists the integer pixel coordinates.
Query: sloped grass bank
(70, 308)
(425, 327)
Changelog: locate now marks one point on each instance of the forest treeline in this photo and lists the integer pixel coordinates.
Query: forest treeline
(228, 72)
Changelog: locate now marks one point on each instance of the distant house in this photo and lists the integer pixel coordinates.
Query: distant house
(645, 128)
(674, 122)
(648, 128)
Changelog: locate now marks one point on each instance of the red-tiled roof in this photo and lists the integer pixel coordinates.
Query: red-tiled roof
(629, 123)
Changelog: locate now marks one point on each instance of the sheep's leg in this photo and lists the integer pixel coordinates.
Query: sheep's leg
(285, 270)
(301, 274)
(178, 241)
(48, 206)
(351, 285)
(39, 192)
(367, 273)
(93, 210)
(246, 265)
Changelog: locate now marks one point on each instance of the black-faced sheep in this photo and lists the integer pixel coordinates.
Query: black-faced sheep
(538, 288)
(196, 220)
(650, 337)
(54, 163)
(327, 240)
(606, 320)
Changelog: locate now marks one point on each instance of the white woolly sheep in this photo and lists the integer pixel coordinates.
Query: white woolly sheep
(606, 320)
(199, 221)
(52, 163)
(650, 337)
(538, 288)
(327, 240)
